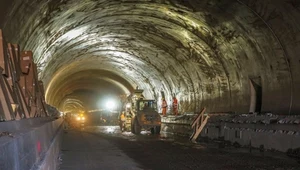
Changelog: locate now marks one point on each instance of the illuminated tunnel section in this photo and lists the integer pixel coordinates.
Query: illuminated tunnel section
(84, 90)
(241, 55)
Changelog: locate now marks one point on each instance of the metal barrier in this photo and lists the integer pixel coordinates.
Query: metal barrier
(21, 93)
(198, 125)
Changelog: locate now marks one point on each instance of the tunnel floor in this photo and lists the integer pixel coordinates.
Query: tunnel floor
(105, 147)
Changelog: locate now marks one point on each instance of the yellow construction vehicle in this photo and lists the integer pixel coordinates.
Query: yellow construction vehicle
(141, 114)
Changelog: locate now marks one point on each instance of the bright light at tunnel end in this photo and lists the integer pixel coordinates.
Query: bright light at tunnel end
(110, 105)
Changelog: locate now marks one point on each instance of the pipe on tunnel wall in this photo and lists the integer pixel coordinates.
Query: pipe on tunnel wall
(205, 52)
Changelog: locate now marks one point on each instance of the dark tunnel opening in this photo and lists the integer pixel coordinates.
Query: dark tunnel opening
(204, 52)
(256, 97)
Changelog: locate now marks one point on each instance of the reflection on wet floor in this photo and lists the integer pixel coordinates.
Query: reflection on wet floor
(181, 142)
(163, 136)
(171, 151)
(115, 131)
(145, 135)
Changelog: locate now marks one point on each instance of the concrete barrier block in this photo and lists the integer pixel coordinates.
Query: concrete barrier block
(29, 144)
(50, 160)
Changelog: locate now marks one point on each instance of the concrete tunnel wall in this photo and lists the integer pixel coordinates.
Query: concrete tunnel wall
(206, 52)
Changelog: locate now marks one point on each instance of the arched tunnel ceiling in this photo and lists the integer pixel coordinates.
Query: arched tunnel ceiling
(205, 52)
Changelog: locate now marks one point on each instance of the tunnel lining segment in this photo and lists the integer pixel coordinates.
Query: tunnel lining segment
(203, 52)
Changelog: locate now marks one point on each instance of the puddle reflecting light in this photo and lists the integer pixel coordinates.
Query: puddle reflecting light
(110, 129)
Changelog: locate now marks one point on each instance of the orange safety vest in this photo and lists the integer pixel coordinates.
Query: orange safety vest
(175, 103)
(122, 117)
(164, 104)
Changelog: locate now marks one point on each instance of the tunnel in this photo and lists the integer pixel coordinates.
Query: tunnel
(236, 62)
(235, 56)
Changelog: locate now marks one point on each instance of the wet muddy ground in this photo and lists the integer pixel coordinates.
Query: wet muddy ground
(105, 147)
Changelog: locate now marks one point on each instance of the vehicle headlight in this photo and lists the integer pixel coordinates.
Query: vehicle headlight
(78, 118)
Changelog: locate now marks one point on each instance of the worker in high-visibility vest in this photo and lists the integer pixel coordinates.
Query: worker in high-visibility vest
(175, 106)
(122, 121)
(164, 107)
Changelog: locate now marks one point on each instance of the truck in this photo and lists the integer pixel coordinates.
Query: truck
(141, 114)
